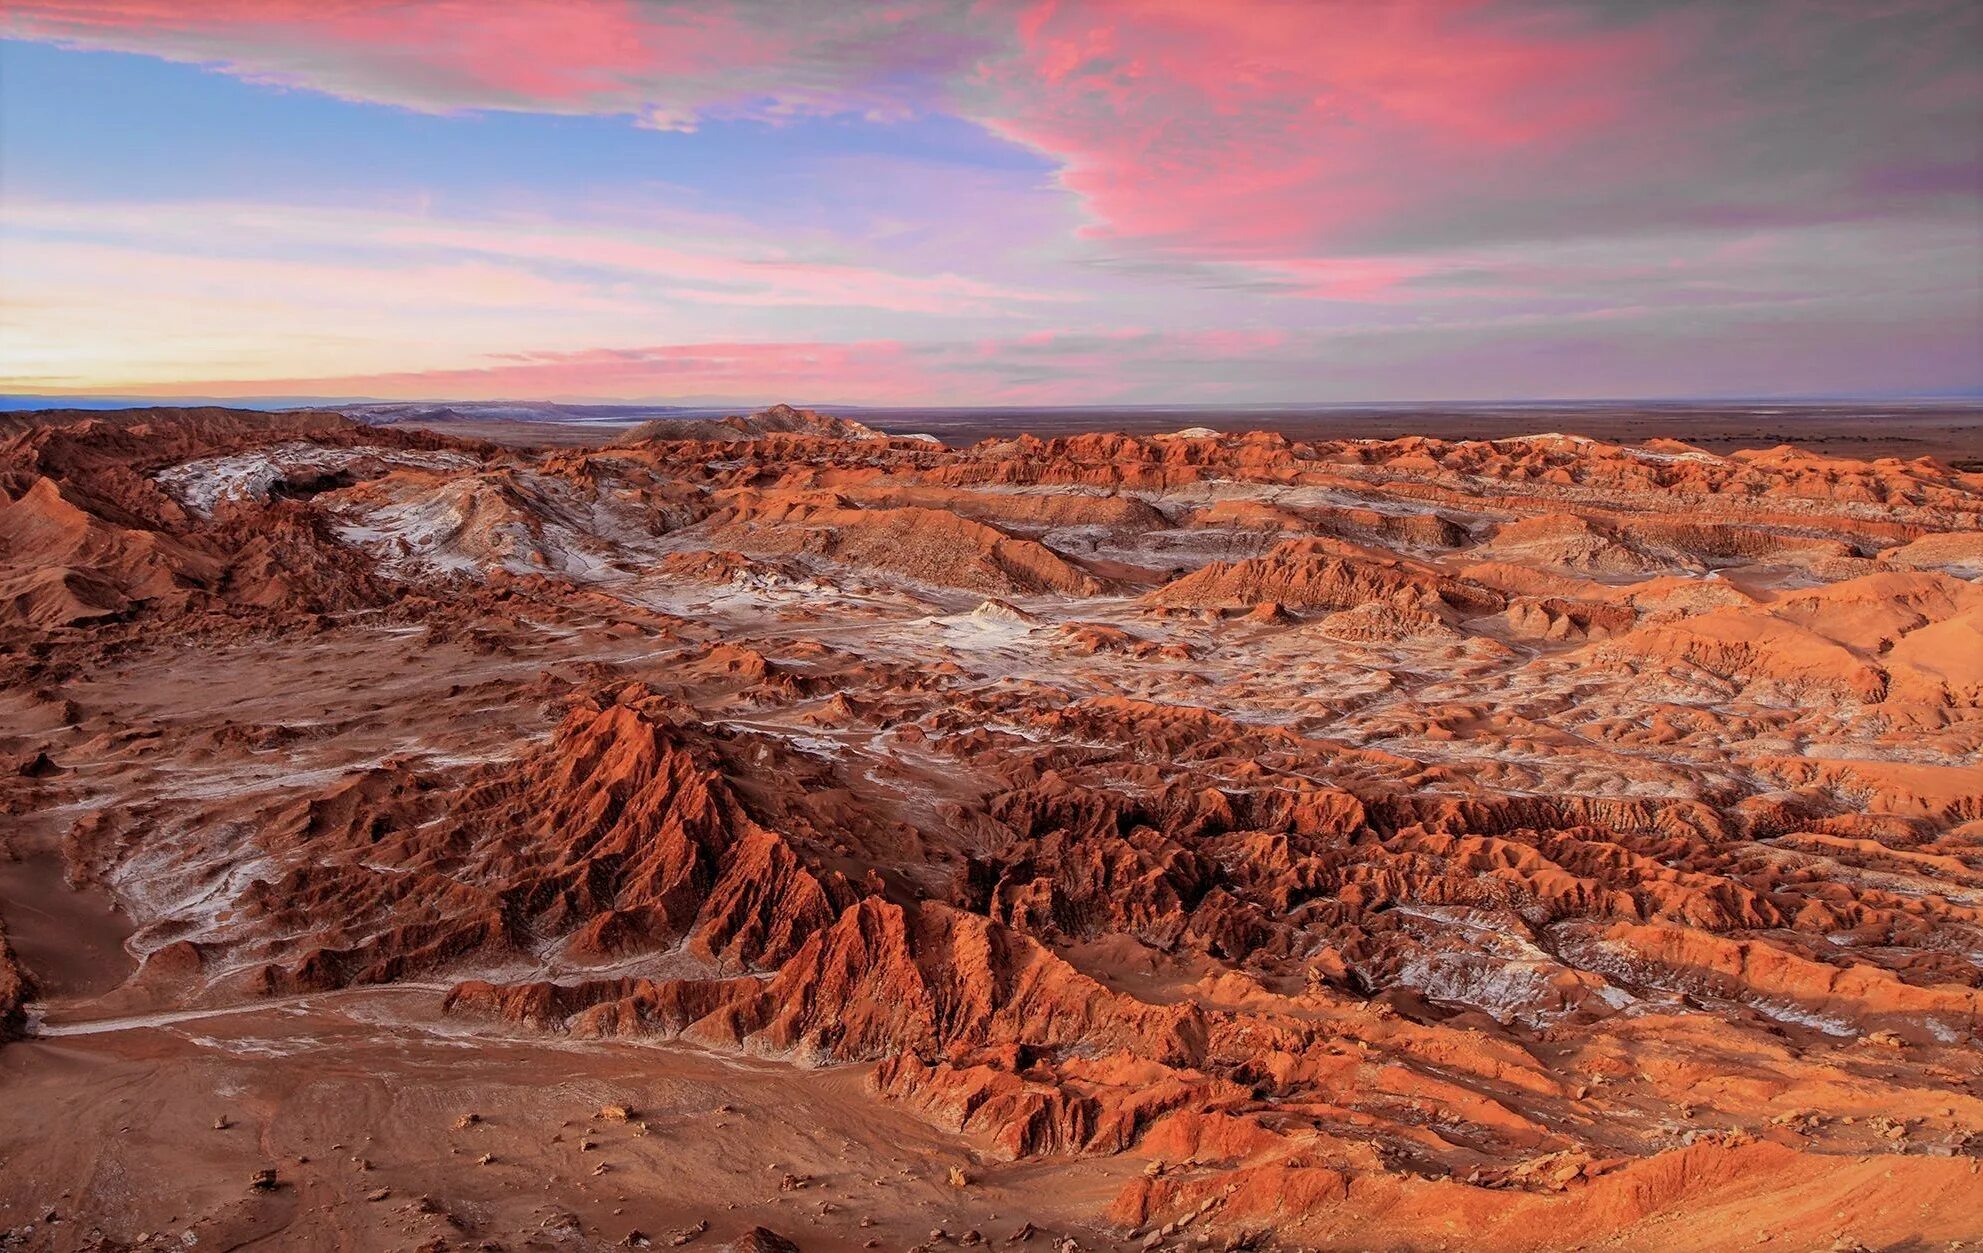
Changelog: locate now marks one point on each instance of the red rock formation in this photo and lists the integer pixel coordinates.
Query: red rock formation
(16, 990)
(1363, 834)
(931, 546)
(620, 836)
(1320, 574)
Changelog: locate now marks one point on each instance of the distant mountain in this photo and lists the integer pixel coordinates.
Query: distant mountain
(388, 413)
(777, 420)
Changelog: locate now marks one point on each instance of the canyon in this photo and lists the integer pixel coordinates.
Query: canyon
(770, 831)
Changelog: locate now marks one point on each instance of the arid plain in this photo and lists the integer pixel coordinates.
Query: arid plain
(1175, 841)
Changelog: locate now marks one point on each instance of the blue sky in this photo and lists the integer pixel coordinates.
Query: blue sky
(953, 204)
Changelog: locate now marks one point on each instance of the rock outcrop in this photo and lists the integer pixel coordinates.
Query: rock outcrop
(1536, 835)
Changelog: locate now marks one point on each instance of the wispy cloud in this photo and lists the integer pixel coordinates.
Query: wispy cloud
(1418, 170)
(1267, 127)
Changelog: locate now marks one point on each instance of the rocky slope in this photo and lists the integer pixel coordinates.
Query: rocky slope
(1214, 838)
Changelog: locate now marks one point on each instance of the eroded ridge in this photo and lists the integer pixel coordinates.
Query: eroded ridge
(1539, 840)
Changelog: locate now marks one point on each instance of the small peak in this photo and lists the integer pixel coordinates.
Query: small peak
(996, 610)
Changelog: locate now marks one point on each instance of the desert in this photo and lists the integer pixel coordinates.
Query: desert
(773, 831)
(991, 626)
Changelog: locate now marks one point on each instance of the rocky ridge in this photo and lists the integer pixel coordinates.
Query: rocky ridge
(1397, 831)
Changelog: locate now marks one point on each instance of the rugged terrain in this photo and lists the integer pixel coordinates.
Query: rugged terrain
(1194, 840)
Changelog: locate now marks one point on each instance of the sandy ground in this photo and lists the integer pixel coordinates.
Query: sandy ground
(359, 1102)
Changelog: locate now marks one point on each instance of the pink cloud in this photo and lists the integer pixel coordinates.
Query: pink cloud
(1346, 278)
(543, 50)
(765, 278)
(1266, 129)
(1421, 159)
(879, 370)
(668, 62)
(1250, 130)
(1041, 367)
(1591, 353)
(546, 51)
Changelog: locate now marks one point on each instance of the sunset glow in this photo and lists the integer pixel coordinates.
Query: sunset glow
(989, 203)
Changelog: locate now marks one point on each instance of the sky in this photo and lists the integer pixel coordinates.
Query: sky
(991, 202)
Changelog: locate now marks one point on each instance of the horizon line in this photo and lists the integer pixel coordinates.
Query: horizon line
(31, 401)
